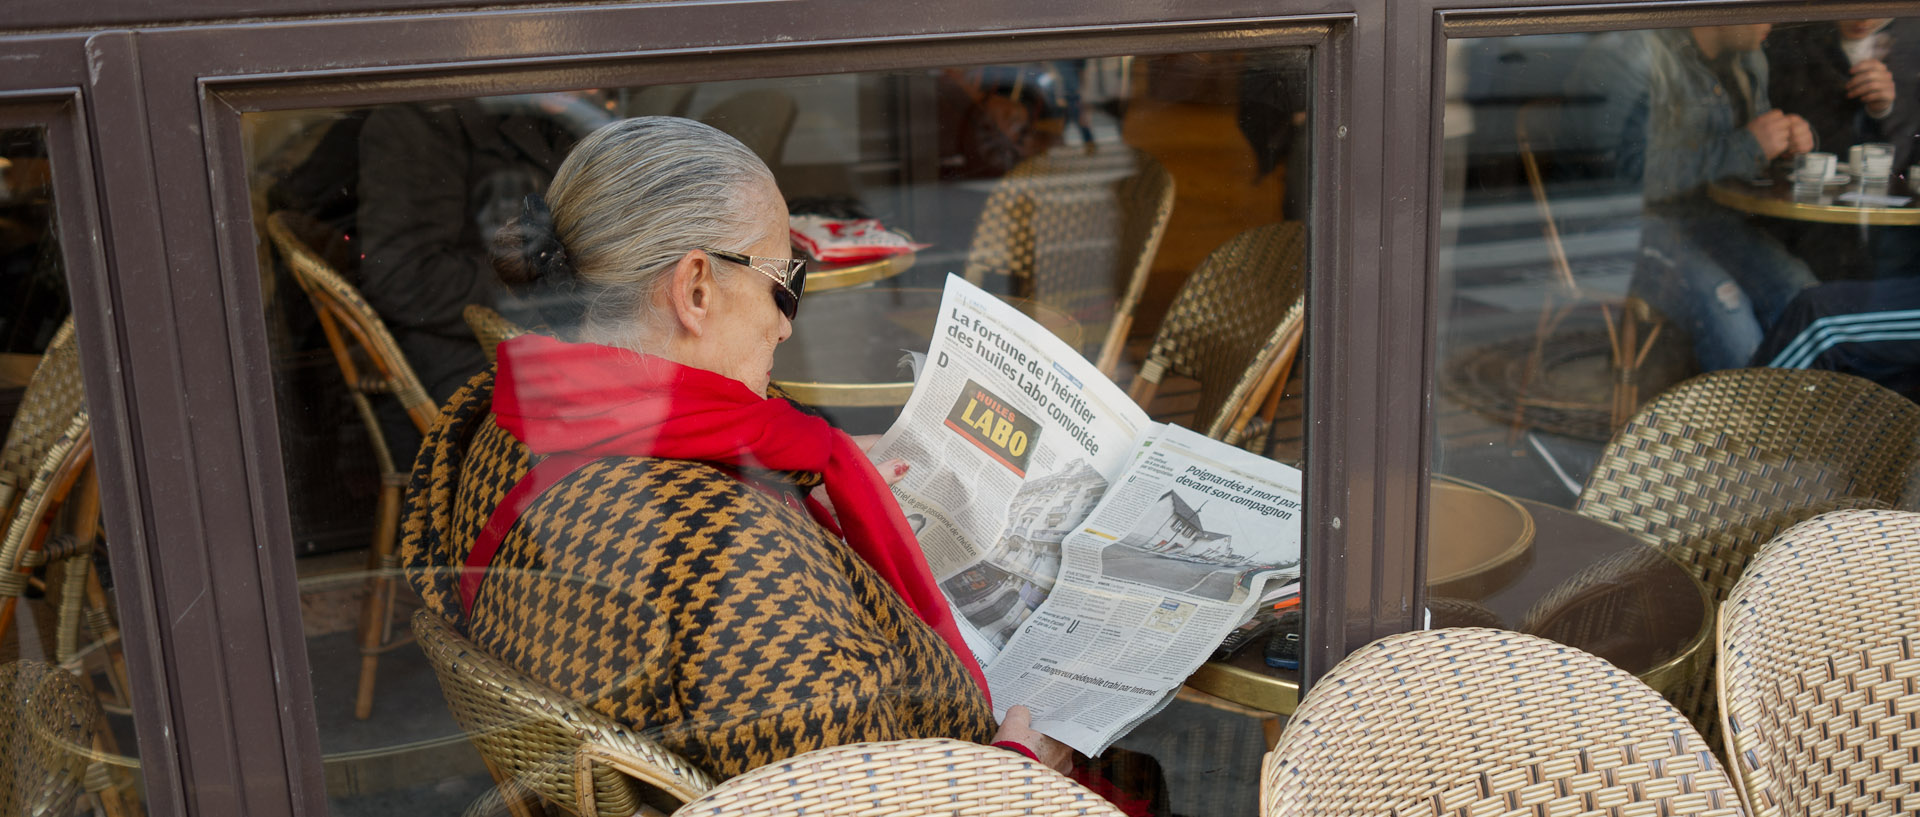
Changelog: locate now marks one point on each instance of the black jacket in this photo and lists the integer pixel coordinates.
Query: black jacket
(435, 182)
(1810, 74)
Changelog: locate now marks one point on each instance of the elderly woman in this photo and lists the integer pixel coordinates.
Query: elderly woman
(639, 523)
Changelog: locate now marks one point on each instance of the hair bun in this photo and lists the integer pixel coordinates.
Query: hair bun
(527, 250)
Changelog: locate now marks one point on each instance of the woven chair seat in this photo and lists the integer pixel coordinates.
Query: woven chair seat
(1820, 669)
(922, 778)
(1471, 722)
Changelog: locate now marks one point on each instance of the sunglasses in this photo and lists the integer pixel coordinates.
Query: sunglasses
(789, 276)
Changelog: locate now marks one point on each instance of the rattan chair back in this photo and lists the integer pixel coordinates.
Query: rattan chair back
(1722, 463)
(1468, 722)
(490, 328)
(1229, 323)
(933, 777)
(53, 397)
(1078, 232)
(1719, 465)
(46, 714)
(536, 739)
(49, 448)
(1820, 669)
(366, 352)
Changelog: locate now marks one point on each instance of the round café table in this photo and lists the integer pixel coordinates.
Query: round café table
(1521, 565)
(1779, 197)
(847, 343)
(823, 276)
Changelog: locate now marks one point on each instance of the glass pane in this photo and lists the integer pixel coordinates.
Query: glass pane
(1676, 267)
(64, 699)
(1138, 220)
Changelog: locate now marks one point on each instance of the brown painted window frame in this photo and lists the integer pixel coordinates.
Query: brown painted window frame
(189, 75)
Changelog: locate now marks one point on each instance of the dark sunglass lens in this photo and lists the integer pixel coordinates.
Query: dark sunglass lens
(785, 302)
(799, 282)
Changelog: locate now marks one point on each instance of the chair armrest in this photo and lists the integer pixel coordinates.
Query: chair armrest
(647, 772)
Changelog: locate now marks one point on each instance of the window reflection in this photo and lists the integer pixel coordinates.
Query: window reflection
(1149, 211)
(65, 698)
(1675, 271)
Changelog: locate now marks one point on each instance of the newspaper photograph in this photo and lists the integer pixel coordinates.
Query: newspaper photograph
(1172, 558)
(1013, 438)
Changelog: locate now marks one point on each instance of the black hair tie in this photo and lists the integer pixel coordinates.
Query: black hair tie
(549, 258)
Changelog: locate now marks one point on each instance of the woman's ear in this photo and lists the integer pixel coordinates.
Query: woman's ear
(690, 292)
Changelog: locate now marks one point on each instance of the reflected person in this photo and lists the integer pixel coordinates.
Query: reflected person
(435, 182)
(1684, 108)
(732, 614)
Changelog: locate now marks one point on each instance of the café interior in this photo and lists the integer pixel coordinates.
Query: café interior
(1660, 551)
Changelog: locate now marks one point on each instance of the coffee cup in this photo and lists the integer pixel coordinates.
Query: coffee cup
(1871, 160)
(1814, 167)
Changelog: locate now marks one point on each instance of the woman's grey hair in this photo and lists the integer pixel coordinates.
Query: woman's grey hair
(630, 200)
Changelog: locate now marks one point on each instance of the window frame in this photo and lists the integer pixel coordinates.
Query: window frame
(146, 104)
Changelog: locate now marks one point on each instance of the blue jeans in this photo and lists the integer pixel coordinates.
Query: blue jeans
(1718, 278)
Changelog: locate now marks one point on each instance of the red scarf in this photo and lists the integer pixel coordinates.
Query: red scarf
(586, 401)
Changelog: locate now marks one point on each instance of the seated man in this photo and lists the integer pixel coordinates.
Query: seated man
(1852, 81)
(1688, 107)
(1865, 328)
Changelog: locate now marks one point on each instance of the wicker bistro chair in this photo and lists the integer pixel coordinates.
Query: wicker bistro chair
(46, 466)
(47, 719)
(1235, 327)
(491, 328)
(1820, 669)
(534, 739)
(1719, 465)
(1632, 327)
(1470, 722)
(1078, 232)
(910, 778)
(371, 363)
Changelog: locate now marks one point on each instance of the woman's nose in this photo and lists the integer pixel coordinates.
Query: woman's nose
(786, 328)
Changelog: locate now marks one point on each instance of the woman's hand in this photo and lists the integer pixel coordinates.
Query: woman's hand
(892, 470)
(1018, 728)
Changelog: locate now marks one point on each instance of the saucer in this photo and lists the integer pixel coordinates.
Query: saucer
(1831, 181)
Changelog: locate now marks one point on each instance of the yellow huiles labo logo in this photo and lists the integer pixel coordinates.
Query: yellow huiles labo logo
(995, 427)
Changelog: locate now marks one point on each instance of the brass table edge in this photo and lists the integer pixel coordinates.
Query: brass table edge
(879, 269)
(1823, 213)
(1521, 544)
(1709, 620)
(1246, 687)
(847, 394)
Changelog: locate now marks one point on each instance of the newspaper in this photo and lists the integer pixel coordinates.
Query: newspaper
(1093, 558)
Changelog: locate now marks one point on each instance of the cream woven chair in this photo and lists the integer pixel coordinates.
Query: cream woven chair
(1720, 464)
(1078, 232)
(371, 363)
(1470, 722)
(908, 778)
(1820, 669)
(491, 328)
(534, 739)
(1235, 327)
(46, 716)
